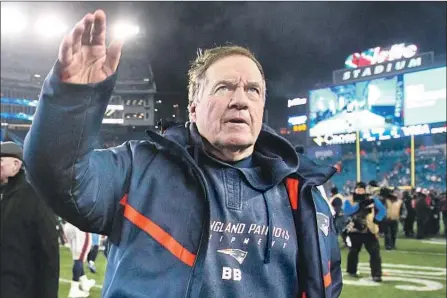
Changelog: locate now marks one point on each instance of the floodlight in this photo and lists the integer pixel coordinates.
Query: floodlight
(50, 26)
(13, 21)
(112, 121)
(123, 30)
(116, 107)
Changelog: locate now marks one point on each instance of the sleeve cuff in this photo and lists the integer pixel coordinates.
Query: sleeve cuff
(57, 86)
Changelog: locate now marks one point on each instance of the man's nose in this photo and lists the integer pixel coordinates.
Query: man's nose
(239, 99)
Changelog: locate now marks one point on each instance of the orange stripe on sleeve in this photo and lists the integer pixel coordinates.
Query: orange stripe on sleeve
(156, 232)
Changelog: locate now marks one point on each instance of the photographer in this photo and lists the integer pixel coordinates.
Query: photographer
(364, 213)
(391, 223)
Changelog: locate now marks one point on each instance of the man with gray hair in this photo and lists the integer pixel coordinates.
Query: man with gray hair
(29, 246)
(220, 207)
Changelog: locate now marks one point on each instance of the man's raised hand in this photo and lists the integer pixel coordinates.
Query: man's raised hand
(83, 55)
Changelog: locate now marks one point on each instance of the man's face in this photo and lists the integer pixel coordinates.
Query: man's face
(9, 167)
(360, 191)
(230, 105)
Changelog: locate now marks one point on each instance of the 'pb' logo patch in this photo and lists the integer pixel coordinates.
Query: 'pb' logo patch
(323, 223)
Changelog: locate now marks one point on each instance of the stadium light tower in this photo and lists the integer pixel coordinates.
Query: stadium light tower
(124, 30)
(50, 26)
(13, 21)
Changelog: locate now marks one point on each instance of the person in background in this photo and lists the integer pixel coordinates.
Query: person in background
(80, 244)
(93, 253)
(378, 195)
(29, 248)
(423, 213)
(373, 191)
(60, 230)
(364, 213)
(409, 204)
(336, 201)
(434, 219)
(106, 245)
(443, 207)
(391, 222)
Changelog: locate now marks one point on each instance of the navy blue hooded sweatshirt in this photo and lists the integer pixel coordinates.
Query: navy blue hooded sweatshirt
(250, 252)
(157, 202)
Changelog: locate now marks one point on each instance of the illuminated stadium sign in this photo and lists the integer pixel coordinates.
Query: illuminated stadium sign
(299, 128)
(387, 68)
(380, 61)
(296, 120)
(412, 103)
(348, 138)
(296, 102)
(380, 55)
(375, 135)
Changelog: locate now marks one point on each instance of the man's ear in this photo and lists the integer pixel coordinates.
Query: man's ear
(17, 164)
(192, 112)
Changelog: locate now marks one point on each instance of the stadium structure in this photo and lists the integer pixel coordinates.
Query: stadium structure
(383, 118)
(25, 62)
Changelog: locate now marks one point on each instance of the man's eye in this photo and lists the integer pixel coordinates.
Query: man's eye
(222, 88)
(254, 89)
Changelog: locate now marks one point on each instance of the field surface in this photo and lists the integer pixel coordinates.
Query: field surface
(416, 269)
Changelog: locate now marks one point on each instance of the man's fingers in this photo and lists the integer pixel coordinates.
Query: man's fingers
(113, 57)
(99, 28)
(66, 50)
(71, 44)
(88, 24)
(76, 34)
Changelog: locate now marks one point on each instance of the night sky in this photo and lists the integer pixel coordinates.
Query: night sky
(298, 43)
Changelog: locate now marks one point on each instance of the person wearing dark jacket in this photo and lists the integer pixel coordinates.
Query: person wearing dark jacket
(29, 246)
(434, 218)
(423, 213)
(364, 212)
(337, 203)
(443, 207)
(219, 207)
(409, 203)
(391, 222)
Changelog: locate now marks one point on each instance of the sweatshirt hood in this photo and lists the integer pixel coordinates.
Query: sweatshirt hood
(278, 154)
